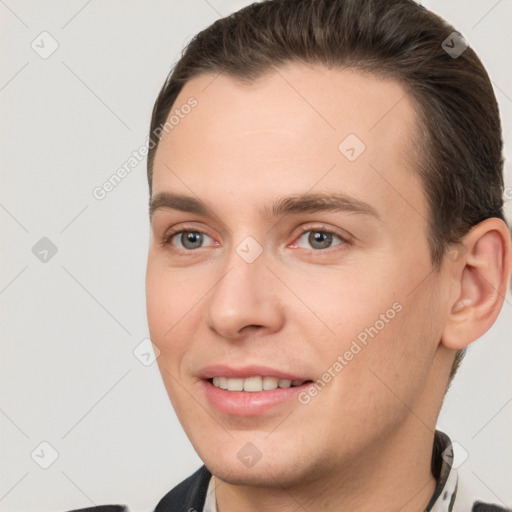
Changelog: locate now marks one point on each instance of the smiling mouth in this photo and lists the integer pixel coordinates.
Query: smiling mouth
(255, 384)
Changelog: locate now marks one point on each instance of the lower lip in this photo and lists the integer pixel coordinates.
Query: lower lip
(249, 403)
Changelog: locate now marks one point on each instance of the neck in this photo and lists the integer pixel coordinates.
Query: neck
(393, 475)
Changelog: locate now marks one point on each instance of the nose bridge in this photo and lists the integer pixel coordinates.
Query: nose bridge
(244, 295)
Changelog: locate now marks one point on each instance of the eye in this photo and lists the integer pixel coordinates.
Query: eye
(187, 240)
(319, 239)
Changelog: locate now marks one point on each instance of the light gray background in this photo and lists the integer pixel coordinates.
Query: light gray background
(69, 326)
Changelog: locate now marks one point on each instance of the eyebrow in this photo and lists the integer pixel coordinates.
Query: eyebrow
(295, 204)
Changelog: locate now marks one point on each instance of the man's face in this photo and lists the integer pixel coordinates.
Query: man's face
(343, 299)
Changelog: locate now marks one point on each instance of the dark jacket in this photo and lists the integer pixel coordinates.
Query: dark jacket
(188, 496)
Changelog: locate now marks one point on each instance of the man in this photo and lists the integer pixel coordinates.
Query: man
(327, 238)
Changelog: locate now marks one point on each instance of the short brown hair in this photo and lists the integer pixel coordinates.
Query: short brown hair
(461, 164)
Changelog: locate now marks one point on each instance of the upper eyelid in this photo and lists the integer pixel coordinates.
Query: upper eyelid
(191, 229)
(319, 224)
(314, 230)
(345, 238)
(344, 235)
(168, 236)
(303, 229)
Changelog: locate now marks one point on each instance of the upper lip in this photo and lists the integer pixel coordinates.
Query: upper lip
(242, 372)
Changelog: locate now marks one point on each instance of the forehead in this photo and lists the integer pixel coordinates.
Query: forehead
(296, 128)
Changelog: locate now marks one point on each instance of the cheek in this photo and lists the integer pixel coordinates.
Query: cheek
(389, 373)
(158, 302)
(341, 303)
(369, 321)
(171, 295)
(175, 299)
(166, 309)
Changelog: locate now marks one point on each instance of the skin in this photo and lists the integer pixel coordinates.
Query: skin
(297, 308)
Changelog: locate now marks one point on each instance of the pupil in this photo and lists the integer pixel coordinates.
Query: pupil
(191, 240)
(320, 240)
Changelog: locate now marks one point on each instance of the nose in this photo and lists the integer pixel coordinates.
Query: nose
(246, 300)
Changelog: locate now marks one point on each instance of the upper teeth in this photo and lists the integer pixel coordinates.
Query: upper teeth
(254, 383)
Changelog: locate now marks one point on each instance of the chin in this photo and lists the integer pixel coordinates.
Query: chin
(254, 477)
(276, 471)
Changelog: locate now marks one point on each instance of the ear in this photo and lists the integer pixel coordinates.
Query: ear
(480, 273)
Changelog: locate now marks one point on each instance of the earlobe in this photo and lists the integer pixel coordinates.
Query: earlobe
(480, 281)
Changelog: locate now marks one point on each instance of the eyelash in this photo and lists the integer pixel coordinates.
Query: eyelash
(166, 239)
(344, 241)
